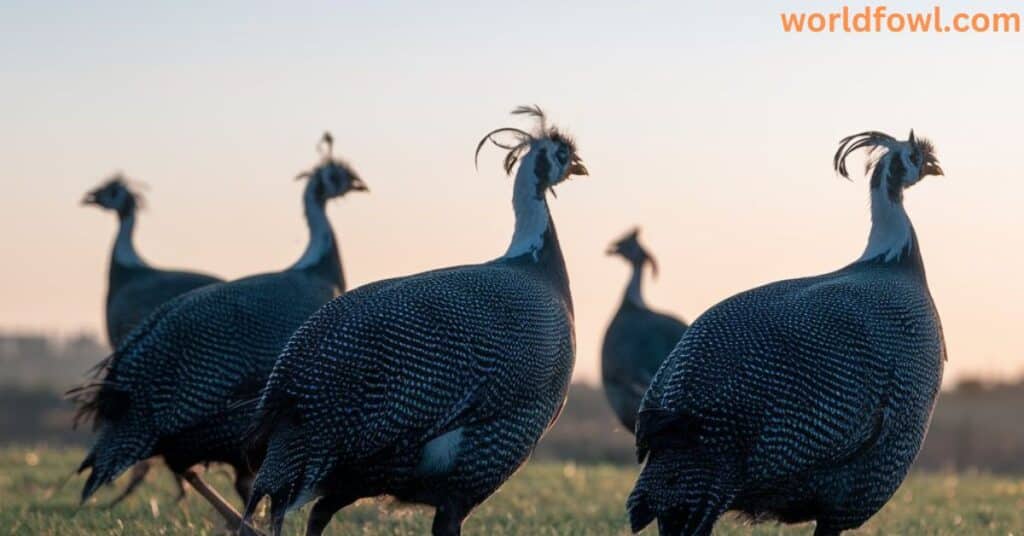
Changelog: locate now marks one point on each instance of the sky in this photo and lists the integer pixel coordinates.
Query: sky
(701, 122)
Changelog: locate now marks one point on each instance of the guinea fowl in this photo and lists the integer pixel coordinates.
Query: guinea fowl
(175, 387)
(134, 288)
(637, 340)
(432, 388)
(805, 399)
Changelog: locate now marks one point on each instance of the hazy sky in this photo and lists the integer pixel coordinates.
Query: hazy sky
(700, 121)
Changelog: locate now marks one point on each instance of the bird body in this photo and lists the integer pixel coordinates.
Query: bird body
(801, 400)
(637, 340)
(136, 292)
(176, 386)
(432, 388)
(206, 352)
(427, 371)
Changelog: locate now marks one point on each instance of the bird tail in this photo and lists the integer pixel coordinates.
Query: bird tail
(285, 472)
(283, 476)
(118, 447)
(685, 493)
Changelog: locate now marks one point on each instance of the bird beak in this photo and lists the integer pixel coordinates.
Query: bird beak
(89, 199)
(578, 169)
(933, 168)
(358, 185)
(612, 250)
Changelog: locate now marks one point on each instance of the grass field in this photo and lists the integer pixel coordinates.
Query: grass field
(543, 499)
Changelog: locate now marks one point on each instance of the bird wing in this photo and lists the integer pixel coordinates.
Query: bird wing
(386, 368)
(787, 373)
(213, 346)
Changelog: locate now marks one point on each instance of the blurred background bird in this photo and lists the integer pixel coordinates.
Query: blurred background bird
(638, 338)
(134, 287)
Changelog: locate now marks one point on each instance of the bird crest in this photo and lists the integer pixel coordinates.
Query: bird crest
(920, 152)
(332, 171)
(523, 140)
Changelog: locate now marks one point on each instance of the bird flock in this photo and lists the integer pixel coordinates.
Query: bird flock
(801, 400)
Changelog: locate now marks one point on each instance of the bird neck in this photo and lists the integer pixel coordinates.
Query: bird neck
(892, 237)
(321, 254)
(124, 254)
(634, 290)
(534, 243)
(530, 206)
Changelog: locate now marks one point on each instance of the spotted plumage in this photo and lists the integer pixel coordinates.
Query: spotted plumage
(805, 399)
(432, 388)
(176, 386)
(638, 338)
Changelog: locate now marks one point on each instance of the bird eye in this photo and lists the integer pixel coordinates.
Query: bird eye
(562, 155)
(915, 158)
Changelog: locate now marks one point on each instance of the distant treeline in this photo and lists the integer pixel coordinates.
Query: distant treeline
(976, 426)
(45, 361)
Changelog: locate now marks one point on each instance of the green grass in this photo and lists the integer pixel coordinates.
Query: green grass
(542, 499)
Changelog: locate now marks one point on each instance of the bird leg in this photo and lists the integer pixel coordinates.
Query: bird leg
(181, 488)
(243, 483)
(225, 509)
(448, 520)
(139, 472)
(821, 530)
(323, 511)
(58, 486)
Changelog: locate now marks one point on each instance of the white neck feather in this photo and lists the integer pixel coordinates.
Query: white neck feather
(634, 291)
(891, 231)
(124, 247)
(531, 212)
(320, 237)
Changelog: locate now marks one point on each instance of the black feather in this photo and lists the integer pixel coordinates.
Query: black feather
(659, 428)
(850, 144)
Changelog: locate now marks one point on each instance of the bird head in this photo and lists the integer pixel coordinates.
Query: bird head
(115, 194)
(895, 165)
(332, 177)
(629, 248)
(550, 153)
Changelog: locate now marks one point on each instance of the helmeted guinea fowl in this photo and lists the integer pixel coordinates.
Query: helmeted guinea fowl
(432, 388)
(174, 387)
(638, 338)
(805, 399)
(134, 288)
